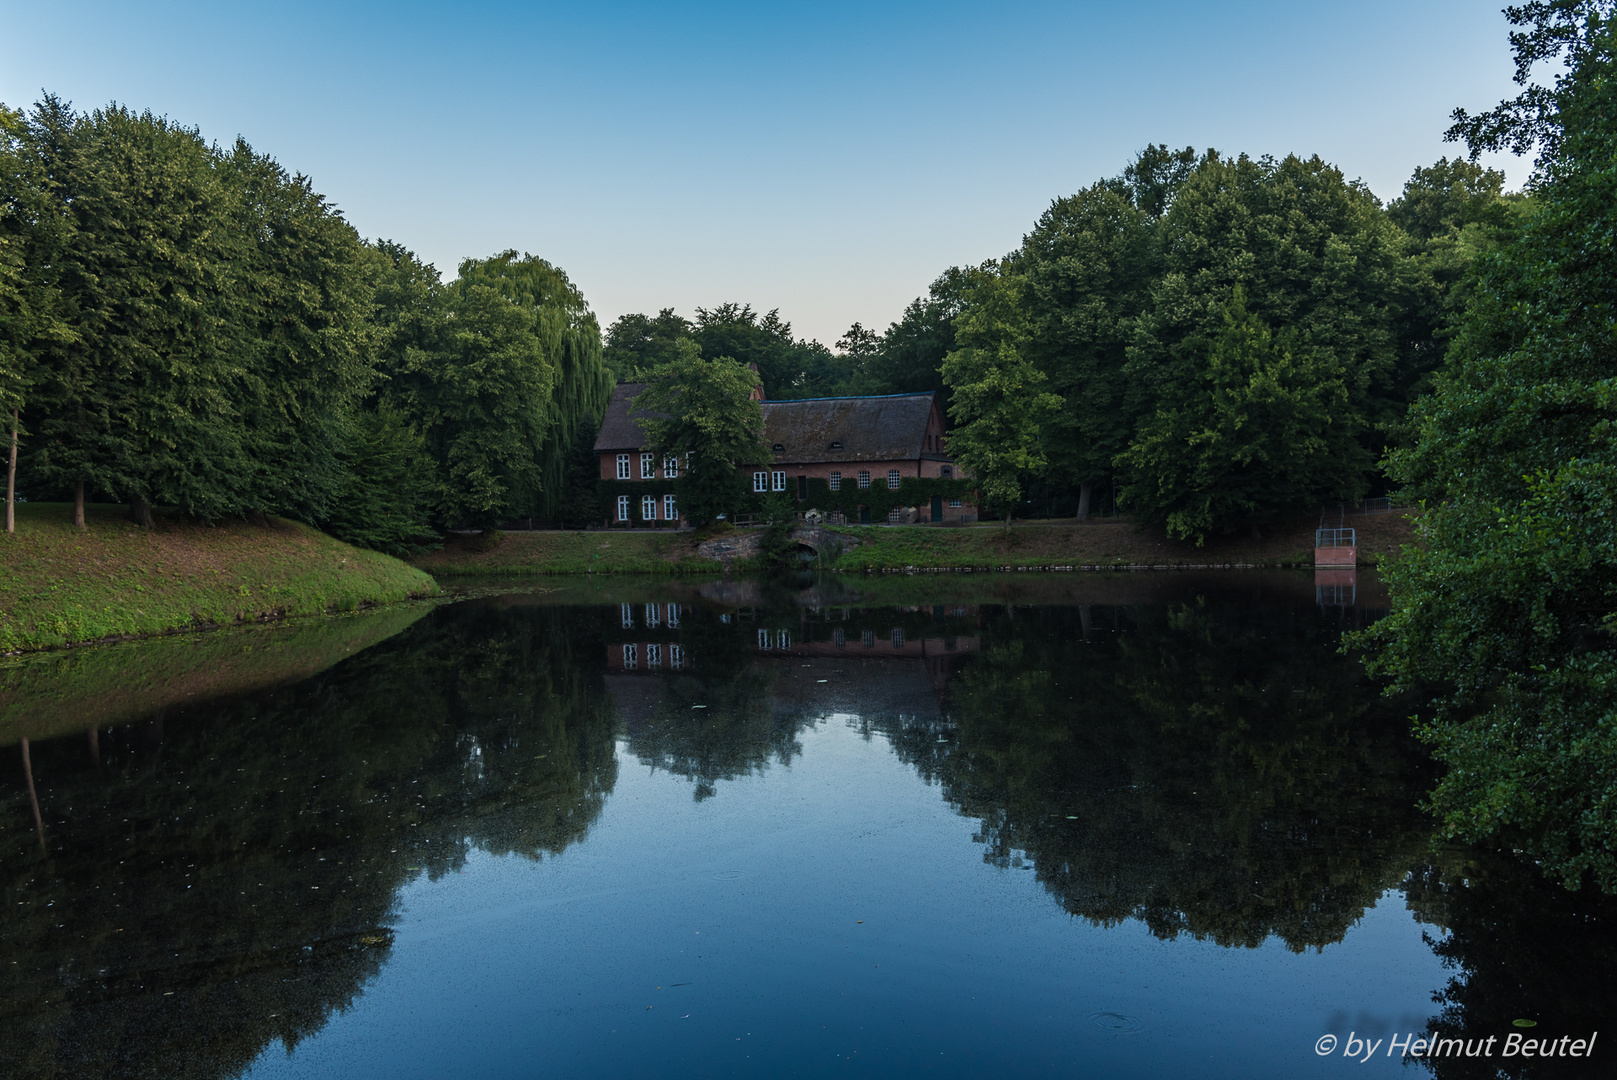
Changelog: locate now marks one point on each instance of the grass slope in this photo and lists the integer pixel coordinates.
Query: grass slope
(1101, 544)
(60, 585)
(616, 551)
(1035, 544)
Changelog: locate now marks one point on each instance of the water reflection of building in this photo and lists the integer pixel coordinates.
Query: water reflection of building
(824, 661)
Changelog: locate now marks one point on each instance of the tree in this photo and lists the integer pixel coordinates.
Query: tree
(1265, 426)
(703, 410)
(1000, 402)
(788, 367)
(1505, 612)
(638, 344)
(1089, 263)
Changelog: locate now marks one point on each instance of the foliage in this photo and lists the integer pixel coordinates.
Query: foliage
(1507, 609)
(1259, 431)
(637, 345)
(999, 399)
(702, 411)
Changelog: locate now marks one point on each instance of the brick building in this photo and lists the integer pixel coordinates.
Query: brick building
(877, 458)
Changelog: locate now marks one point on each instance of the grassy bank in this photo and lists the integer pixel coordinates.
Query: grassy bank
(616, 551)
(60, 585)
(1101, 544)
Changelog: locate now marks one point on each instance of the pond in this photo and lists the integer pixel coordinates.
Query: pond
(1153, 824)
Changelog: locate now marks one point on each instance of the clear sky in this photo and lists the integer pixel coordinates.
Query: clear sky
(828, 159)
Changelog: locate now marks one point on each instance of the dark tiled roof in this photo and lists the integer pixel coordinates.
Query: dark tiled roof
(618, 429)
(869, 428)
(890, 427)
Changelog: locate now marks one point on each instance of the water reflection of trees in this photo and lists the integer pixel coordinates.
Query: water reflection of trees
(1211, 768)
(1522, 948)
(224, 876)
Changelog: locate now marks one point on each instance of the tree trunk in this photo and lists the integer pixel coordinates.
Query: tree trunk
(33, 799)
(1084, 490)
(11, 479)
(78, 503)
(141, 511)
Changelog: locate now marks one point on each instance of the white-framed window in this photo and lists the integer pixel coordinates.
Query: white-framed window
(760, 481)
(670, 510)
(671, 467)
(954, 504)
(673, 616)
(623, 508)
(653, 616)
(648, 466)
(835, 481)
(895, 515)
(654, 656)
(777, 481)
(892, 478)
(864, 478)
(628, 617)
(676, 657)
(898, 637)
(867, 638)
(623, 466)
(839, 637)
(763, 639)
(783, 639)
(630, 657)
(648, 508)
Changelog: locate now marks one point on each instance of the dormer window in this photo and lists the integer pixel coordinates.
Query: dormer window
(779, 448)
(947, 471)
(837, 445)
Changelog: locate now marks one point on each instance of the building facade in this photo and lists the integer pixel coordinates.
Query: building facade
(876, 458)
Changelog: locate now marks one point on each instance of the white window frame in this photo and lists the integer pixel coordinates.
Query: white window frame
(764, 639)
(630, 658)
(648, 466)
(628, 617)
(654, 655)
(864, 478)
(835, 480)
(893, 479)
(653, 616)
(867, 638)
(670, 509)
(673, 616)
(777, 480)
(783, 639)
(898, 637)
(760, 481)
(895, 515)
(623, 508)
(671, 467)
(676, 657)
(954, 504)
(839, 637)
(623, 466)
(648, 508)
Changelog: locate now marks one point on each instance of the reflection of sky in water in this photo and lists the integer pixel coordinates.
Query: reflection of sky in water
(737, 920)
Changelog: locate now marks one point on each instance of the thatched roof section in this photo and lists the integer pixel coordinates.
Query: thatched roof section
(618, 429)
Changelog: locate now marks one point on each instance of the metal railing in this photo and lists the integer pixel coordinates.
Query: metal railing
(1335, 538)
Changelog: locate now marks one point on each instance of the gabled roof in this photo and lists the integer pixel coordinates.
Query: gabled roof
(885, 428)
(888, 427)
(618, 429)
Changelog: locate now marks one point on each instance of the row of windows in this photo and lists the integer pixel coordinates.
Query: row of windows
(654, 656)
(782, 639)
(648, 508)
(655, 615)
(648, 467)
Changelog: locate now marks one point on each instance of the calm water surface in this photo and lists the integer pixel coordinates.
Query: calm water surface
(1108, 825)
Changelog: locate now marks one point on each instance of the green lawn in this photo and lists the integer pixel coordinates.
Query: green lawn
(61, 585)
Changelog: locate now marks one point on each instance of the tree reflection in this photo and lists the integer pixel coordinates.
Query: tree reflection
(1522, 948)
(1210, 768)
(224, 876)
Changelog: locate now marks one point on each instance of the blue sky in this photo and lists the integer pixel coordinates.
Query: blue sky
(826, 159)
